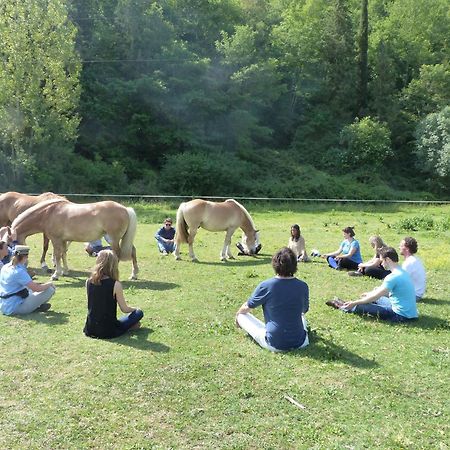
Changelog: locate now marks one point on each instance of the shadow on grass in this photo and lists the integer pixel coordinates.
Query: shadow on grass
(139, 339)
(424, 322)
(433, 301)
(251, 261)
(326, 350)
(48, 317)
(153, 285)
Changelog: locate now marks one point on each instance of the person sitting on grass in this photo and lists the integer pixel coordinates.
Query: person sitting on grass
(93, 248)
(19, 294)
(373, 267)
(165, 237)
(413, 265)
(348, 255)
(285, 300)
(4, 251)
(297, 244)
(104, 292)
(394, 300)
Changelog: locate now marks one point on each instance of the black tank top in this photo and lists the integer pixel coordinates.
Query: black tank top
(101, 321)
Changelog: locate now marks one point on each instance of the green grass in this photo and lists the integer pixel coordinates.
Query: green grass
(190, 379)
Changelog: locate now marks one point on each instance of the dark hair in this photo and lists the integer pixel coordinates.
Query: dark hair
(389, 252)
(168, 219)
(296, 227)
(284, 262)
(2, 244)
(349, 230)
(411, 244)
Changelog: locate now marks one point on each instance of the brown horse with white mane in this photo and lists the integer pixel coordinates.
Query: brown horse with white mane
(63, 221)
(14, 203)
(225, 216)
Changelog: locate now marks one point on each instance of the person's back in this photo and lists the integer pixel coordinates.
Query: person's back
(101, 320)
(413, 265)
(402, 293)
(283, 309)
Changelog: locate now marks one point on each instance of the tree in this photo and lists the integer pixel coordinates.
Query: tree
(39, 91)
(363, 45)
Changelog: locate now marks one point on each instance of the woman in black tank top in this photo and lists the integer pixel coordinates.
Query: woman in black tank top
(104, 292)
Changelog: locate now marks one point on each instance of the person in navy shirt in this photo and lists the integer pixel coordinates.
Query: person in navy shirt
(165, 237)
(348, 255)
(285, 300)
(394, 300)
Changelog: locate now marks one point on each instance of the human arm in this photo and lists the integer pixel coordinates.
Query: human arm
(244, 309)
(118, 293)
(337, 252)
(368, 297)
(373, 262)
(38, 287)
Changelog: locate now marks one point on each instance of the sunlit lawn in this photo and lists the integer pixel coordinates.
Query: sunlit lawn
(190, 379)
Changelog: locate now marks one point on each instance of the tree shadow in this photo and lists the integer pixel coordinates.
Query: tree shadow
(139, 340)
(48, 317)
(326, 350)
(153, 285)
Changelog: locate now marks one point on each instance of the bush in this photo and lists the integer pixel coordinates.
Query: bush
(426, 223)
(365, 143)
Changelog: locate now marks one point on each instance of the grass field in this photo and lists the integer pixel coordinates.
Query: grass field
(190, 379)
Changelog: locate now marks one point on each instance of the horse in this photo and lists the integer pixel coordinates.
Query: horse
(63, 221)
(225, 216)
(14, 203)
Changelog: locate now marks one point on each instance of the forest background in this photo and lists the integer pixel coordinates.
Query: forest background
(318, 98)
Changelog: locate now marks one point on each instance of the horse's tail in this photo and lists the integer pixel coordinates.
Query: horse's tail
(182, 232)
(126, 244)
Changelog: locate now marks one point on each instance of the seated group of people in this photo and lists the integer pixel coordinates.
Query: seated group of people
(284, 298)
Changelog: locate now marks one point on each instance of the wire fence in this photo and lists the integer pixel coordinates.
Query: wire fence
(266, 199)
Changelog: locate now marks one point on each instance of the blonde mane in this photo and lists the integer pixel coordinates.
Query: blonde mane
(246, 213)
(41, 205)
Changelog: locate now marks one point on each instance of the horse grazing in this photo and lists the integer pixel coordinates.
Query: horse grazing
(225, 216)
(14, 203)
(63, 221)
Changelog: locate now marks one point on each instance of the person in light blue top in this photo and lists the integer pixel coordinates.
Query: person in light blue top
(348, 255)
(394, 300)
(19, 294)
(93, 248)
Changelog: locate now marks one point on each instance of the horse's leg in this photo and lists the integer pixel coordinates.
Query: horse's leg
(64, 258)
(176, 253)
(58, 250)
(45, 243)
(134, 263)
(226, 252)
(192, 234)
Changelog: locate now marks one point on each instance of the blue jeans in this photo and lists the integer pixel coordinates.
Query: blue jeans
(126, 322)
(382, 312)
(163, 246)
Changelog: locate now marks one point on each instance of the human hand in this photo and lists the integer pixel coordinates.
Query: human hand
(348, 305)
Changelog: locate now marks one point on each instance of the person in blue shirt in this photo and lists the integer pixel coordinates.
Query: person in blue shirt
(19, 294)
(348, 255)
(394, 300)
(284, 300)
(93, 248)
(165, 237)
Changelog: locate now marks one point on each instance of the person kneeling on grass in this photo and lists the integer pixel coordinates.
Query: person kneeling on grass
(19, 294)
(285, 300)
(104, 292)
(400, 306)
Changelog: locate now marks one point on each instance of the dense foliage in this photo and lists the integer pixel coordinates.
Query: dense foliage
(231, 97)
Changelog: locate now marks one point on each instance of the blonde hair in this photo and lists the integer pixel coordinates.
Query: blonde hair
(377, 242)
(17, 259)
(106, 265)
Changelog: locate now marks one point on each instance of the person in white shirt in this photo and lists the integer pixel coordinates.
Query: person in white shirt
(413, 265)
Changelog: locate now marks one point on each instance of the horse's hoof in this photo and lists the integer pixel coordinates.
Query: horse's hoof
(231, 257)
(132, 277)
(194, 260)
(177, 258)
(54, 277)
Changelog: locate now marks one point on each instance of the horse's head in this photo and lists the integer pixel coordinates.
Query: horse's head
(251, 243)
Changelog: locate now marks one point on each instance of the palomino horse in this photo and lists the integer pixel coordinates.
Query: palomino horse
(226, 216)
(14, 203)
(63, 221)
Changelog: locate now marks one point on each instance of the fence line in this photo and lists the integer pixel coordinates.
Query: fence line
(284, 199)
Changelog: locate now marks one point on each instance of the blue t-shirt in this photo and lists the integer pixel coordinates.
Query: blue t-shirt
(12, 279)
(283, 300)
(347, 246)
(166, 233)
(402, 293)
